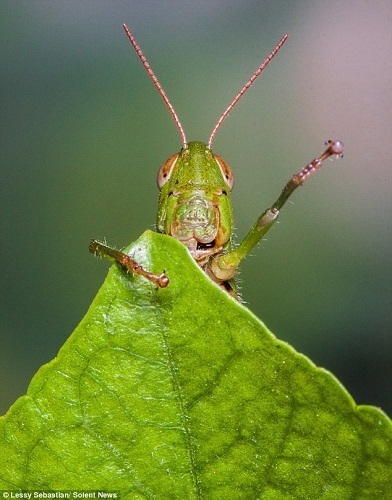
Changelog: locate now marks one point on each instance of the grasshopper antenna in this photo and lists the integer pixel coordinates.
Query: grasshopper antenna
(247, 85)
(155, 81)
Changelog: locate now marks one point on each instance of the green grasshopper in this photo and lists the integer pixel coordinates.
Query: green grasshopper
(194, 202)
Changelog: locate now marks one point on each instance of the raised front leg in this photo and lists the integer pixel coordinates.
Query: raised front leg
(102, 250)
(224, 266)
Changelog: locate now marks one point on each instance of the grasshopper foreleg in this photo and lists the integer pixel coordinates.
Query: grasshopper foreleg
(102, 250)
(224, 266)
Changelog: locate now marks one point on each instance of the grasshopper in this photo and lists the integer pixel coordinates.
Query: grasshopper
(194, 201)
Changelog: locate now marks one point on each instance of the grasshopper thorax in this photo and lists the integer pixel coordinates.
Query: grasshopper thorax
(194, 203)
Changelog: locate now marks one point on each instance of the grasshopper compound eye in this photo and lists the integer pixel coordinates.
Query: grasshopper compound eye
(227, 173)
(166, 169)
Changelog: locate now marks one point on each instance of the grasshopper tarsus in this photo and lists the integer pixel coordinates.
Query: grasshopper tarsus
(127, 262)
(335, 148)
(162, 280)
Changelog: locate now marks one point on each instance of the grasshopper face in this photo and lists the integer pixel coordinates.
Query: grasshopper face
(194, 203)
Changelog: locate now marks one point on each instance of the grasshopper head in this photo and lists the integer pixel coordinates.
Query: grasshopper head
(194, 203)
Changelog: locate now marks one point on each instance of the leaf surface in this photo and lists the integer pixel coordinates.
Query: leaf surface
(183, 393)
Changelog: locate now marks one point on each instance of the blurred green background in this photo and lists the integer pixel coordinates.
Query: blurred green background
(83, 132)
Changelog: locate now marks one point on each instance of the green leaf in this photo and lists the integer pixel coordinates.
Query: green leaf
(182, 393)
